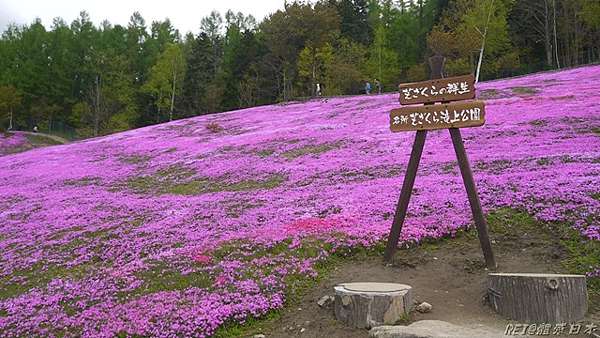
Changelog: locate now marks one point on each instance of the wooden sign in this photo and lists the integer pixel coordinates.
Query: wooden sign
(451, 116)
(440, 90)
(438, 116)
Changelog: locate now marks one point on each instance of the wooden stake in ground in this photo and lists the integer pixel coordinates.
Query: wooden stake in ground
(439, 116)
(409, 181)
(478, 217)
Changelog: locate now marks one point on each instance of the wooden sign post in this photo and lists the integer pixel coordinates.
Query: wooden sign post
(433, 116)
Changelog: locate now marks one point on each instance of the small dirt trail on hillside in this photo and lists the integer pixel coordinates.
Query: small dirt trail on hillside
(52, 137)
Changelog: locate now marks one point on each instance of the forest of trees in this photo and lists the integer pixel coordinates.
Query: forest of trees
(82, 80)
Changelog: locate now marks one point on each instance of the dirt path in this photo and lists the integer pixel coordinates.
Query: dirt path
(55, 138)
(449, 274)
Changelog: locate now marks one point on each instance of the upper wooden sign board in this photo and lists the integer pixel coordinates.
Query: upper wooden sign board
(438, 116)
(447, 89)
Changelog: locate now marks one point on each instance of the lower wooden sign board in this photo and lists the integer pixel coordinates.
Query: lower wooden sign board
(438, 116)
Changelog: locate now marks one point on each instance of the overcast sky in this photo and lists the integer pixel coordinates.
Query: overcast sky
(185, 15)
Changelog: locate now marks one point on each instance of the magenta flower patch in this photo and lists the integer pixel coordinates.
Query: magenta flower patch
(12, 142)
(176, 229)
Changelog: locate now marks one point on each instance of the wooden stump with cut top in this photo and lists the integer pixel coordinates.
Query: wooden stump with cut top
(366, 305)
(538, 298)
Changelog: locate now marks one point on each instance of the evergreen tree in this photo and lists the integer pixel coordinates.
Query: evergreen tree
(200, 73)
(354, 20)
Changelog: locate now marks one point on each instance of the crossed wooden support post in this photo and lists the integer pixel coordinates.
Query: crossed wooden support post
(433, 116)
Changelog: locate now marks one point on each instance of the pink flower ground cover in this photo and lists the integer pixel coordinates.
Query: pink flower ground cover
(179, 228)
(12, 142)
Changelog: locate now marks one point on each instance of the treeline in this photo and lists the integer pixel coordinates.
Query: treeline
(84, 80)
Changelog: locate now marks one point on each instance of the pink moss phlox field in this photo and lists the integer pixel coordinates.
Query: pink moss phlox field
(9, 142)
(180, 228)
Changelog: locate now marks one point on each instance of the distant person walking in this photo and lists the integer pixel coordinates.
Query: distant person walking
(318, 91)
(378, 86)
(368, 88)
(35, 128)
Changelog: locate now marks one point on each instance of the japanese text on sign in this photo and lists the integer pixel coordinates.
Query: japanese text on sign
(447, 89)
(457, 115)
(451, 88)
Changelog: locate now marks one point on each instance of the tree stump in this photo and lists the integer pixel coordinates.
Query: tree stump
(366, 305)
(538, 298)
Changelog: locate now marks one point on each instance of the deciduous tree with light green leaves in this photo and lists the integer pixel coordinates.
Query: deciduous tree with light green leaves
(166, 77)
(383, 60)
(10, 99)
(109, 103)
(485, 20)
(344, 68)
(311, 62)
(473, 27)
